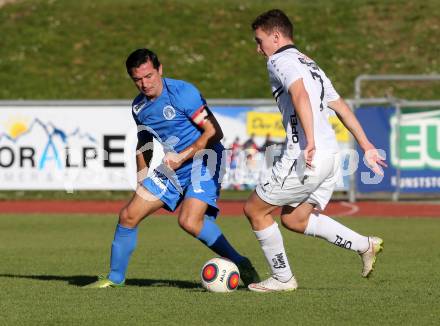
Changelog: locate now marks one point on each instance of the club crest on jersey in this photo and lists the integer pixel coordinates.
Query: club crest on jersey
(169, 112)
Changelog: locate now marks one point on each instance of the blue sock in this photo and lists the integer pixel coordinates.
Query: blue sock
(212, 236)
(122, 246)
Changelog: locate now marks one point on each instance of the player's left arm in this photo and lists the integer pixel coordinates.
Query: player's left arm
(349, 120)
(303, 108)
(211, 134)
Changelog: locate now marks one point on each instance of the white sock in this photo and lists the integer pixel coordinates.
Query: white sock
(326, 228)
(271, 242)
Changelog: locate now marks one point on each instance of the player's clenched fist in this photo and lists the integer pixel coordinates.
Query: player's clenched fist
(172, 160)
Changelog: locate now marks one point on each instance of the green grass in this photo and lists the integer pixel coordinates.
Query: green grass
(76, 49)
(46, 259)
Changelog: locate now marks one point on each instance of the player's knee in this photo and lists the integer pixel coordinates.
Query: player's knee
(256, 218)
(187, 224)
(127, 218)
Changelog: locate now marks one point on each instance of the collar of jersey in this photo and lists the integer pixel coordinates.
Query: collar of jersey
(286, 47)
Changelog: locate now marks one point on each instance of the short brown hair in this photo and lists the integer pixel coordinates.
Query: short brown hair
(139, 57)
(274, 19)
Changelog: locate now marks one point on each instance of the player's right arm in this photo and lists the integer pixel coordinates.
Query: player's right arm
(303, 108)
(350, 121)
(286, 71)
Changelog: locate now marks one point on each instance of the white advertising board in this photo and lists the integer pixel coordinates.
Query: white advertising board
(92, 147)
(67, 148)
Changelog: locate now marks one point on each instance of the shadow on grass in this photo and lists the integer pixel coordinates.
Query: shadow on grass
(81, 280)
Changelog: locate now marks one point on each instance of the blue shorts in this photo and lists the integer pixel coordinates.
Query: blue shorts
(207, 191)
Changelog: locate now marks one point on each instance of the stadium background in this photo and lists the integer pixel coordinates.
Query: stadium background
(75, 50)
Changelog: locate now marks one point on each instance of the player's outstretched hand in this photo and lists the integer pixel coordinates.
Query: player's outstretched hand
(309, 153)
(374, 160)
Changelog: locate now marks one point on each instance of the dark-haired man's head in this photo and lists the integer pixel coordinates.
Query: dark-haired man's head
(145, 70)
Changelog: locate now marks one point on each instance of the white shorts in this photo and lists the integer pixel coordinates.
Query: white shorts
(290, 183)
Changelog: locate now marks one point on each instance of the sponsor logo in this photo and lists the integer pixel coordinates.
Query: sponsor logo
(158, 179)
(35, 152)
(418, 146)
(294, 124)
(308, 62)
(169, 112)
(222, 275)
(279, 261)
(42, 145)
(340, 242)
(428, 182)
(138, 107)
(263, 123)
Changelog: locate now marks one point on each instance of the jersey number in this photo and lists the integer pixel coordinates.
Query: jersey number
(316, 75)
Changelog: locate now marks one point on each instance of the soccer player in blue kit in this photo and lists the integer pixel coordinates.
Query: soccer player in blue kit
(174, 113)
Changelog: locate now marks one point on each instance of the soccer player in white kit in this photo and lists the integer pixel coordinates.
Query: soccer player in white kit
(303, 179)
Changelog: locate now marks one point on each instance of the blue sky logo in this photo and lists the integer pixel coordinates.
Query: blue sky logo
(42, 145)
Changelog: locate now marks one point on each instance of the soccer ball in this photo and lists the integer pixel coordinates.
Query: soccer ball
(220, 275)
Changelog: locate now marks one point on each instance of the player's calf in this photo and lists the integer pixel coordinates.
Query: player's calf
(324, 227)
(296, 219)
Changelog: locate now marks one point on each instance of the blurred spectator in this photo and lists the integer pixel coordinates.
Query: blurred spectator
(250, 143)
(235, 149)
(268, 142)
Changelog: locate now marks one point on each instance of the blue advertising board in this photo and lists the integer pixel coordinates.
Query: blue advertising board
(413, 146)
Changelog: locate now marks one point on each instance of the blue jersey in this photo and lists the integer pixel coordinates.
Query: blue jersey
(168, 118)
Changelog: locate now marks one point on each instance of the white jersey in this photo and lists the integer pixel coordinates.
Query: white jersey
(285, 67)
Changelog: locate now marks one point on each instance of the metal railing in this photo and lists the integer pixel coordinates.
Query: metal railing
(362, 78)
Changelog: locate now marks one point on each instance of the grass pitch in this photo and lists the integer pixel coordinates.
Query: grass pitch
(46, 259)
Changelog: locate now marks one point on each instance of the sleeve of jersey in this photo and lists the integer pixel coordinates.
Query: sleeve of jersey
(143, 135)
(329, 90)
(135, 118)
(286, 71)
(194, 105)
